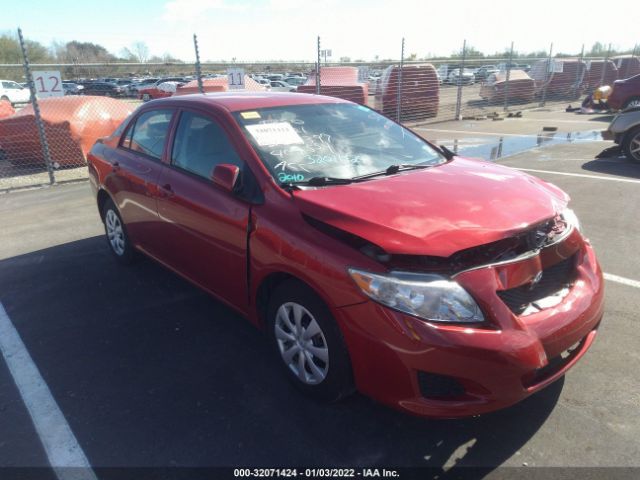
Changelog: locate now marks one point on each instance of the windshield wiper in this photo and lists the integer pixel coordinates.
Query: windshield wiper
(316, 182)
(320, 181)
(392, 170)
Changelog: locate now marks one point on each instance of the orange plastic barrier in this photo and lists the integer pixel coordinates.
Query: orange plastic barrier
(339, 82)
(72, 125)
(6, 110)
(219, 84)
(420, 92)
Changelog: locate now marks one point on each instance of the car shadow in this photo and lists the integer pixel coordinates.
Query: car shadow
(599, 118)
(150, 371)
(611, 161)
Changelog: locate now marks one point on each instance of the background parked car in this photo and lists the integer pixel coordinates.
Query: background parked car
(521, 87)
(484, 71)
(456, 77)
(281, 86)
(132, 90)
(297, 80)
(624, 130)
(102, 89)
(625, 94)
(71, 88)
(13, 92)
(151, 91)
(263, 81)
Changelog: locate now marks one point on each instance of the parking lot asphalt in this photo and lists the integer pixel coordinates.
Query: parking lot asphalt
(149, 371)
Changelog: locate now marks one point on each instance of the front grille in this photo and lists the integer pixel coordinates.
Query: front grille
(549, 291)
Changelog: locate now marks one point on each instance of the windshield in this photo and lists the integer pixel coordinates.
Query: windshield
(339, 140)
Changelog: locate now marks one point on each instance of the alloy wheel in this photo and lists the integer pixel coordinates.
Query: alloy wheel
(634, 146)
(302, 344)
(115, 232)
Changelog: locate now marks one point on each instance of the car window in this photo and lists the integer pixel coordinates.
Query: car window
(149, 132)
(201, 144)
(12, 85)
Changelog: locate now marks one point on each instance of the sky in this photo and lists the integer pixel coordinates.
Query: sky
(261, 30)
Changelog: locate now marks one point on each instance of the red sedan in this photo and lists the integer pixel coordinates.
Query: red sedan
(375, 261)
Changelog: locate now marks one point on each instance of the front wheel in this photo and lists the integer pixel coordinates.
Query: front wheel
(117, 237)
(309, 343)
(631, 144)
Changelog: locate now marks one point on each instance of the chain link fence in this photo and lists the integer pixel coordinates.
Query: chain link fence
(47, 128)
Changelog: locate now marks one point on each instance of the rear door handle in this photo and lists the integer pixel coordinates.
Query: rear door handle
(166, 191)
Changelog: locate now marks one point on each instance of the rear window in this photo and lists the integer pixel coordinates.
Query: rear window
(148, 134)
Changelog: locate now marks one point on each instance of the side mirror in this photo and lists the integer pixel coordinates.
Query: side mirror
(226, 176)
(448, 154)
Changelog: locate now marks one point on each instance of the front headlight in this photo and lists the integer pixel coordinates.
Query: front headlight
(430, 297)
(571, 218)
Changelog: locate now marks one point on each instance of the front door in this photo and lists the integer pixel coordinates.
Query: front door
(204, 228)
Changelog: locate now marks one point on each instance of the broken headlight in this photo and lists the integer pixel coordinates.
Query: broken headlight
(570, 217)
(430, 297)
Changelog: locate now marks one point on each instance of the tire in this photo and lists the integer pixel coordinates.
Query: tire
(116, 234)
(146, 97)
(632, 102)
(631, 144)
(5, 98)
(326, 369)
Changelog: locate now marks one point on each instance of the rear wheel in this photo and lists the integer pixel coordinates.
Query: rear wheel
(117, 237)
(631, 144)
(309, 343)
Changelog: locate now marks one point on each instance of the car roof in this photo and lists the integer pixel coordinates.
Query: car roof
(238, 101)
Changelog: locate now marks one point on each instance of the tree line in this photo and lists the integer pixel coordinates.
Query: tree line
(76, 52)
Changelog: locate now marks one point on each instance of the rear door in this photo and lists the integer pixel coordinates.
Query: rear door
(204, 228)
(137, 163)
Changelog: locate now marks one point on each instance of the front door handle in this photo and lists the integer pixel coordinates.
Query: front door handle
(115, 166)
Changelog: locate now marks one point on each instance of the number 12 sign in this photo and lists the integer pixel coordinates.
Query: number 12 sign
(48, 84)
(235, 77)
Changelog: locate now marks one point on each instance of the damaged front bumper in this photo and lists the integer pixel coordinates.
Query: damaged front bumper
(446, 370)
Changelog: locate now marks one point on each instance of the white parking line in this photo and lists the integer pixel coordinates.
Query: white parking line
(60, 445)
(625, 281)
(470, 133)
(551, 121)
(500, 134)
(595, 177)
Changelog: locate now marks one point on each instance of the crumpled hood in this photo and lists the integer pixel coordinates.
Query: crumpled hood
(436, 211)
